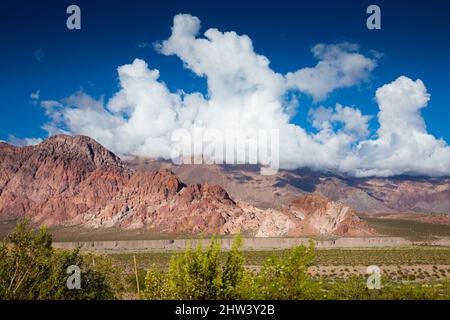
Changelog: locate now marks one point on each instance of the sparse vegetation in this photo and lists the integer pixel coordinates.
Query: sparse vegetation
(200, 274)
(409, 229)
(323, 257)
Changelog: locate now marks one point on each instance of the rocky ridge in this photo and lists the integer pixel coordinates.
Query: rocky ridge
(403, 194)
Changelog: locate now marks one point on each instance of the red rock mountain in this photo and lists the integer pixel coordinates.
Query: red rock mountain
(365, 195)
(68, 181)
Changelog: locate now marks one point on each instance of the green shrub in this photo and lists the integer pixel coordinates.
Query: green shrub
(31, 269)
(195, 274)
(199, 274)
(156, 284)
(192, 275)
(286, 278)
(233, 272)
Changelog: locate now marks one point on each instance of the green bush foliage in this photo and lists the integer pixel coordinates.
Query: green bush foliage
(30, 268)
(199, 274)
(286, 277)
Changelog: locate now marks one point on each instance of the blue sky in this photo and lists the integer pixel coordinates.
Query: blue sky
(39, 53)
(414, 40)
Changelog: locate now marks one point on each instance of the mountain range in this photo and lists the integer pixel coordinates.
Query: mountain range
(399, 194)
(74, 181)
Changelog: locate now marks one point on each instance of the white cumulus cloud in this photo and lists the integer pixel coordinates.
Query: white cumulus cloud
(403, 145)
(34, 96)
(339, 66)
(352, 119)
(244, 92)
(22, 142)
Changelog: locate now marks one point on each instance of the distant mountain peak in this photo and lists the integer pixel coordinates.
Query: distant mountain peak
(79, 146)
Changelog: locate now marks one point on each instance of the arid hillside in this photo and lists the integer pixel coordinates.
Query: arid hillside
(366, 195)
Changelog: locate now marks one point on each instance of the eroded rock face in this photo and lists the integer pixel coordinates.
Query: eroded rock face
(75, 181)
(306, 215)
(58, 179)
(321, 216)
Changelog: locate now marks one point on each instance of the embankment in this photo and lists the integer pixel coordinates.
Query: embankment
(249, 244)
